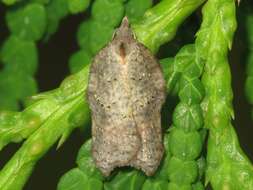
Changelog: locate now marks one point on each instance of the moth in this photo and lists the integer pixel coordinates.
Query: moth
(126, 90)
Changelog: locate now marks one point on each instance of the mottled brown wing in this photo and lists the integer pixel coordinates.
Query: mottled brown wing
(115, 140)
(148, 95)
(126, 91)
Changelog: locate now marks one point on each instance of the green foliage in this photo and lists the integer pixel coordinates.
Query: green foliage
(198, 186)
(191, 90)
(185, 140)
(188, 117)
(54, 111)
(51, 116)
(225, 160)
(99, 40)
(79, 60)
(20, 55)
(174, 186)
(83, 35)
(173, 75)
(182, 172)
(28, 22)
(56, 10)
(155, 185)
(107, 13)
(135, 9)
(95, 33)
(77, 6)
(10, 2)
(186, 136)
(15, 126)
(85, 162)
(86, 175)
(185, 146)
(44, 2)
(129, 180)
(156, 27)
(75, 179)
(18, 87)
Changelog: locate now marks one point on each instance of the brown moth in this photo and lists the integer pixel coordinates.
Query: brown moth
(125, 93)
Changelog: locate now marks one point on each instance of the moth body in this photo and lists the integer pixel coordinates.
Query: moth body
(126, 91)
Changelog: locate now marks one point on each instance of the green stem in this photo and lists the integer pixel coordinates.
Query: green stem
(227, 165)
(19, 168)
(65, 117)
(159, 24)
(16, 126)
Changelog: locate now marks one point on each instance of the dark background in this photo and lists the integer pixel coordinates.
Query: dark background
(53, 68)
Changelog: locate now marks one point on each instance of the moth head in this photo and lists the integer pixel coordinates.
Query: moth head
(124, 32)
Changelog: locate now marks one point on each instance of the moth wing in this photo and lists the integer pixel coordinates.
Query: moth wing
(151, 150)
(114, 146)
